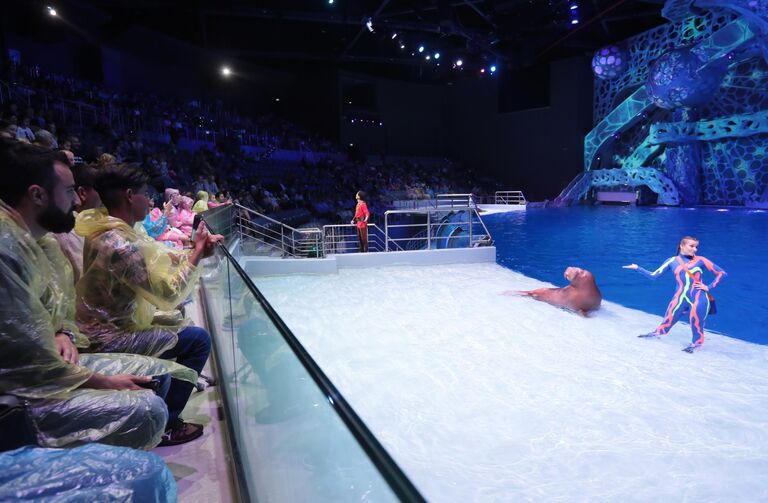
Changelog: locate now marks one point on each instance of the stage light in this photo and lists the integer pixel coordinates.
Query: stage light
(428, 57)
(51, 11)
(225, 71)
(493, 68)
(369, 25)
(482, 70)
(574, 21)
(437, 55)
(459, 62)
(402, 45)
(421, 48)
(330, 2)
(574, 7)
(277, 99)
(394, 35)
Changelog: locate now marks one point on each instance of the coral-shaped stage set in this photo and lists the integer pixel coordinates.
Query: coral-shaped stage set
(683, 109)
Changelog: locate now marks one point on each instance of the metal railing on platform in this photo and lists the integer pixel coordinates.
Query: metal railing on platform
(509, 197)
(275, 236)
(438, 227)
(436, 223)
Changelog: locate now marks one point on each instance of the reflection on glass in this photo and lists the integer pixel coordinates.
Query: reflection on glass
(292, 443)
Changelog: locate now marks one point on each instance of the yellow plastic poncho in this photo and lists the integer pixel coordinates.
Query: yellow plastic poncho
(126, 278)
(34, 308)
(201, 204)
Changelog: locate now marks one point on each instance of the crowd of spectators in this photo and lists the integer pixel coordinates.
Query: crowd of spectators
(316, 192)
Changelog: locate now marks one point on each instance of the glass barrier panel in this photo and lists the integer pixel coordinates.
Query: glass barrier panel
(293, 445)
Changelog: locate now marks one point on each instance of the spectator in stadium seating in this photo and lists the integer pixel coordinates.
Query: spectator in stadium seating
(45, 139)
(68, 403)
(220, 200)
(105, 159)
(155, 222)
(201, 204)
(186, 215)
(71, 243)
(24, 131)
(127, 277)
(70, 156)
(172, 199)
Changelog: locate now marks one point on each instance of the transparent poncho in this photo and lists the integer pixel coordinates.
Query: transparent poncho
(36, 279)
(127, 278)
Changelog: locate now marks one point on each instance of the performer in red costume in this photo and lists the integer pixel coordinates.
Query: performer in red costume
(361, 221)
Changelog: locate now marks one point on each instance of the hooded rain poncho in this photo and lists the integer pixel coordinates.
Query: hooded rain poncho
(127, 277)
(35, 277)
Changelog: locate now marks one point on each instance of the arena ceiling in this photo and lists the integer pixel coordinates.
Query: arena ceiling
(511, 34)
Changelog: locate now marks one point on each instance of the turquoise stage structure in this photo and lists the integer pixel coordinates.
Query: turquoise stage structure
(683, 109)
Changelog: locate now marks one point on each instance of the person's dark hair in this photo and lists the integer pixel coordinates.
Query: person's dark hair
(26, 165)
(85, 176)
(115, 178)
(363, 195)
(685, 238)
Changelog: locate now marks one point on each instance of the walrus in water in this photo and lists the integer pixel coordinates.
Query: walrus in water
(582, 295)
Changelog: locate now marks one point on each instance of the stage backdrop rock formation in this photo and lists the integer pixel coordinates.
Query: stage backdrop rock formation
(683, 109)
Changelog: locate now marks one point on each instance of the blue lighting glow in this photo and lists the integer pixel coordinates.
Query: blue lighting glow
(421, 48)
(574, 21)
(493, 68)
(437, 55)
(574, 7)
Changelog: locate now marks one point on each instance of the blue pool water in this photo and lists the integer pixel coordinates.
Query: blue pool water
(540, 243)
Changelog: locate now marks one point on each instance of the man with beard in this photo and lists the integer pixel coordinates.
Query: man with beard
(127, 277)
(68, 403)
(71, 243)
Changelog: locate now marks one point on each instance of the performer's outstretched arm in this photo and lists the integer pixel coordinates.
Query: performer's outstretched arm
(648, 274)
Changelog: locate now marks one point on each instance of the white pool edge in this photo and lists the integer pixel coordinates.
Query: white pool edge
(268, 266)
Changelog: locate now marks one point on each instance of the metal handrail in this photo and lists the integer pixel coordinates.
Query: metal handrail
(342, 238)
(336, 240)
(429, 212)
(398, 482)
(454, 200)
(288, 240)
(439, 201)
(509, 197)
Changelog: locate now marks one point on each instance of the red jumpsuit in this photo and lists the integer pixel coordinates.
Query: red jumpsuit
(361, 221)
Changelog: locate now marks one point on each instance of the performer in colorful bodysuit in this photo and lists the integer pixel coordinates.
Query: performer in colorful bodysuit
(691, 294)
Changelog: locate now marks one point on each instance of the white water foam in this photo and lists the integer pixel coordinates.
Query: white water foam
(483, 397)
